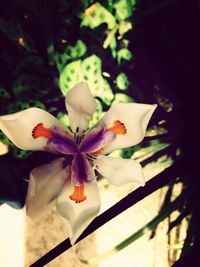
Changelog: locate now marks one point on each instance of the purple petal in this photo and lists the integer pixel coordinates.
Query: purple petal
(62, 142)
(96, 139)
(80, 170)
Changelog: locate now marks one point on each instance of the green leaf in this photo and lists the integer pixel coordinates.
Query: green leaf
(29, 63)
(13, 188)
(178, 202)
(8, 29)
(89, 70)
(21, 154)
(20, 105)
(3, 93)
(123, 9)
(124, 26)
(144, 153)
(29, 86)
(122, 98)
(4, 139)
(69, 76)
(85, 3)
(37, 104)
(122, 81)
(113, 46)
(71, 53)
(126, 153)
(61, 116)
(96, 15)
(125, 54)
(111, 39)
(76, 51)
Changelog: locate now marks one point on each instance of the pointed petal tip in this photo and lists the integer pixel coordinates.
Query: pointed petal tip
(72, 240)
(80, 105)
(142, 183)
(120, 171)
(77, 217)
(151, 107)
(154, 106)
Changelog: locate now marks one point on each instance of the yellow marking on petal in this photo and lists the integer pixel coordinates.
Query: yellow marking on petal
(78, 194)
(40, 131)
(118, 127)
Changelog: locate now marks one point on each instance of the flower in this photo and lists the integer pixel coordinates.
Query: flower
(70, 178)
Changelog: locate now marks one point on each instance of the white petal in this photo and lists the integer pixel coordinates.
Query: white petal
(45, 184)
(77, 217)
(80, 105)
(135, 118)
(18, 127)
(120, 171)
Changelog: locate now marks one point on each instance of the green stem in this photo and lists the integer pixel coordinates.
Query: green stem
(149, 226)
(110, 36)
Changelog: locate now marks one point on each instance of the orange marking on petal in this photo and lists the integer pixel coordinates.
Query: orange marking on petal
(118, 127)
(78, 194)
(40, 131)
(96, 153)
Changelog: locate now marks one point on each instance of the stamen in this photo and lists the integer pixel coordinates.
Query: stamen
(118, 127)
(96, 153)
(67, 161)
(82, 136)
(78, 138)
(90, 156)
(78, 194)
(90, 162)
(40, 131)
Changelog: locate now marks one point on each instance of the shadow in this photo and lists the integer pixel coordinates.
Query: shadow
(188, 260)
(12, 187)
(13, 175)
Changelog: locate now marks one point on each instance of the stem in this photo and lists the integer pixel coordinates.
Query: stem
(111, 34)
(149, 226)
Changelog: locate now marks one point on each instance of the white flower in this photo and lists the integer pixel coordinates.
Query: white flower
(70, 179)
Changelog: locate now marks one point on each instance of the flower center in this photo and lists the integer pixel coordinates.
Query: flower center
(79, 151)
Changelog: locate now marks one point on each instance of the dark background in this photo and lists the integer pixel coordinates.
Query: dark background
(165, 41)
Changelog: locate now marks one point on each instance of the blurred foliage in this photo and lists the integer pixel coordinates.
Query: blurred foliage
(97, 14)
(122, 81)
(125, 54)
(70, 53)
(39, 63)
(46, 47)
(90, 71)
